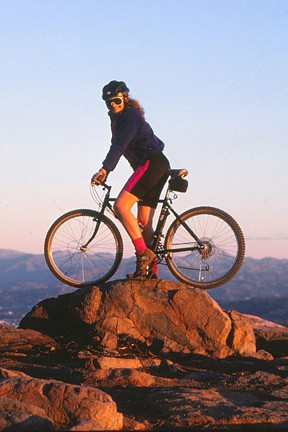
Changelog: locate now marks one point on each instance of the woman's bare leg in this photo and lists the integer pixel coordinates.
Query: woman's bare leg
(145, 217)
(122, 207)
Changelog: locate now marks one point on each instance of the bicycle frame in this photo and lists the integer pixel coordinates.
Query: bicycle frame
(158, 234)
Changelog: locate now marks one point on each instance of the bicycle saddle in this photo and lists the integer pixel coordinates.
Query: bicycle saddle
(178, 172)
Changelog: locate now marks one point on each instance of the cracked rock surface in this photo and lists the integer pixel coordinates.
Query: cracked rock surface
(131, 355)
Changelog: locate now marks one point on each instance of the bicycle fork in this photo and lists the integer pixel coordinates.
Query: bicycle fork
(106, 203)
(83, 248)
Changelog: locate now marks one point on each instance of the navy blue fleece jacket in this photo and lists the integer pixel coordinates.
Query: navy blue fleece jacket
(133, 138)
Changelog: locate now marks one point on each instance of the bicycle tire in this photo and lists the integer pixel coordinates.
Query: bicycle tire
(83, 267)
(224, 248)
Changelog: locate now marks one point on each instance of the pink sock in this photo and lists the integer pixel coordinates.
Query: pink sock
(140, 245)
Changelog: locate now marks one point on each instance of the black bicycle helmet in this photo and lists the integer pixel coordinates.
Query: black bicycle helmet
(113, 89)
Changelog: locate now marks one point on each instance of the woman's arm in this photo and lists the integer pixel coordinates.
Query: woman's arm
(125, 130)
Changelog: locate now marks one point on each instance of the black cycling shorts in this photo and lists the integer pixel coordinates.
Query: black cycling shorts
(148, 180)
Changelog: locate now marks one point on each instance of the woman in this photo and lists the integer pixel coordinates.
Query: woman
(133, 138)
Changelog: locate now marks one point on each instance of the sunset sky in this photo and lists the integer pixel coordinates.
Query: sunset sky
(211, 75)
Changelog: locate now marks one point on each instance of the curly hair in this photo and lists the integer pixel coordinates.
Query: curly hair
(133, 103)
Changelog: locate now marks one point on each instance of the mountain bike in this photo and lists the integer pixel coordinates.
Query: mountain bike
(203, 247)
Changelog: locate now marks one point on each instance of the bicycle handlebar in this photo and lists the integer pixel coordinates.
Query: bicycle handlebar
(104, 185)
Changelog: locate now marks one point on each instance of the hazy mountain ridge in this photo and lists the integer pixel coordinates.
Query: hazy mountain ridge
(260, 287)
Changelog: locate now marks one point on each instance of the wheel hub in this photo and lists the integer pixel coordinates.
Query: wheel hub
(208, 248)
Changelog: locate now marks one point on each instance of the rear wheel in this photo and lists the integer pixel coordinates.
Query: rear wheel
(83, 247)
(222, 252)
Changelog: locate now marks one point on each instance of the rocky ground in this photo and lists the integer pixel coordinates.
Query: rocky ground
(142, 356)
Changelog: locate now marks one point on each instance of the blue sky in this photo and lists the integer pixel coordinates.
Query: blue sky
(211, 75)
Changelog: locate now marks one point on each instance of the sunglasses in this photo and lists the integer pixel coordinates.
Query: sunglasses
(116, 101)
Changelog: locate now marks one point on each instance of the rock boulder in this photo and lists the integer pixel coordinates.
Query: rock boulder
(270, 337)
(22, 416)
(56, 404)
(162, 315)
(24, 340)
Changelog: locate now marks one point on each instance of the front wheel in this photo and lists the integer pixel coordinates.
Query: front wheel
(83, 247)
(220, 255)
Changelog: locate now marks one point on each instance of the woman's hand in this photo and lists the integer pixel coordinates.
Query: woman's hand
(99, 177)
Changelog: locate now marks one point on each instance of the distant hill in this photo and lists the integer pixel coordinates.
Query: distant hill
(260, 287)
